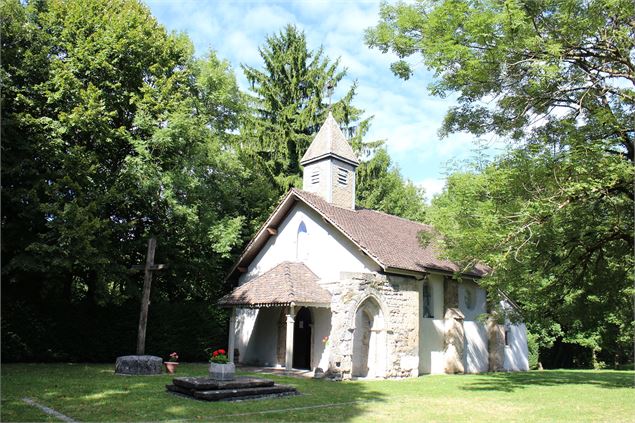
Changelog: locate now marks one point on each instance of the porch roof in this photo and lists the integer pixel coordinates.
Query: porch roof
(289, 283)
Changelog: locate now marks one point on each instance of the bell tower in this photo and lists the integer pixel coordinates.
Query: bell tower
(329, 166)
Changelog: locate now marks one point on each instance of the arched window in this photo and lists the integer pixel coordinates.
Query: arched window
(301, 242)
(427, 301)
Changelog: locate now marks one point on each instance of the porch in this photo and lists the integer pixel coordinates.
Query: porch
(280, 319)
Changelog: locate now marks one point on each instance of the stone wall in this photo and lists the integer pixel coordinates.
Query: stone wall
(454, 342)
(396, 327)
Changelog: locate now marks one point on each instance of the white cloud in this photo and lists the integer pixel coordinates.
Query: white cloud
(432, 187)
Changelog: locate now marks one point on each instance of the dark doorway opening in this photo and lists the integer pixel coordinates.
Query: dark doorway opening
(302, 339)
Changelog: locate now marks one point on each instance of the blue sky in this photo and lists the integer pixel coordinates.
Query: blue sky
(405, 115)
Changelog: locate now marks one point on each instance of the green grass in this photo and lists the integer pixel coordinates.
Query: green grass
(94, 393)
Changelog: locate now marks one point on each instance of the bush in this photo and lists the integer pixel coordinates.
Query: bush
(82, 333)
(533, 346)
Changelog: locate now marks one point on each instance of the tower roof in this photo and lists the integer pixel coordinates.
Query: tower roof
(329, 141)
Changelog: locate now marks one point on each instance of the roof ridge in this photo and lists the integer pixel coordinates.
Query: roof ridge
(399, 217)
(301, 191)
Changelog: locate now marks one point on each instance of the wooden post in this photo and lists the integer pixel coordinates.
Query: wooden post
(148, 268)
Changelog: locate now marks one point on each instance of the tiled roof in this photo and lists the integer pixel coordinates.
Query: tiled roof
(329, 141)
(393, 242)
(286, 283)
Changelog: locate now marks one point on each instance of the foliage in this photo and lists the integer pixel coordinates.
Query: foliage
(219, 356)
(173, 357)
(111, 133)
(380, 186)
(557, 240)
(553, 217)
(533, 350)
(58, 331)
(289, 105)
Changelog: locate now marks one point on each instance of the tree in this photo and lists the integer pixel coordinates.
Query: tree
(289, 105)
(554, 217)
(380, 186)
(112, 132)
(567, 265)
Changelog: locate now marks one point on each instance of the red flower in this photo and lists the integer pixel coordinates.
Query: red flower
(221, 351)
(215, 353)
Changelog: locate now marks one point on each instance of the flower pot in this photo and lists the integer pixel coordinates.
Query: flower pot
(218, 371)
(170, 366)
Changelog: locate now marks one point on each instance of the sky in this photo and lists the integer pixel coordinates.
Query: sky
(404, 114)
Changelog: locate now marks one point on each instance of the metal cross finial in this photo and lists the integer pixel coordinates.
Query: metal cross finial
(330, 86)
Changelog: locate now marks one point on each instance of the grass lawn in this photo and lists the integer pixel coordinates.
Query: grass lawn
(93, 393)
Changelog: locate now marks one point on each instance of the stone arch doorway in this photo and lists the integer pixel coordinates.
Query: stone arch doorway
(369, 340)
(302, 339)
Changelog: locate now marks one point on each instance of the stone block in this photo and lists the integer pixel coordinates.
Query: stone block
(239, 389)
(138, 365)
(205, 384)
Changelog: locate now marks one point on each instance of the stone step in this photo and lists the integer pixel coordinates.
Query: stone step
(234, 394)
(205, 384)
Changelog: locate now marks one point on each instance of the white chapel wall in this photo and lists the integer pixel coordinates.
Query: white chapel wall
(257, 331)
(517, 353)
(476, 352)
(326, 254)
(432, 332)
(320, 346)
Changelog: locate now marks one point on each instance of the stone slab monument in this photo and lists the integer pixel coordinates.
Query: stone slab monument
(138, 365)
(141, 364)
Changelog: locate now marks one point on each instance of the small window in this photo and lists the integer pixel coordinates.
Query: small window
(469, 298)
(426, 312)
(342, 176)
(315, 176)
(301, 242)
(508, 335)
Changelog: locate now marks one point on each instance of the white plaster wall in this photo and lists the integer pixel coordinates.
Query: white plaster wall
(258, 335)
(476, 354)
(321, 328)
(326, 253)
(245, 320)
(517, 352)
(431, 346)
(431, 331)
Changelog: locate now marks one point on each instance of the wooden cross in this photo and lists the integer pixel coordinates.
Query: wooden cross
(149, 267)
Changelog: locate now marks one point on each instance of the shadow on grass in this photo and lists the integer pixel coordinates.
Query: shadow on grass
(95, 393)
(509, 382)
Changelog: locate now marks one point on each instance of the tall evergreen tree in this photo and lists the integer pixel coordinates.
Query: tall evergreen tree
(290, 103)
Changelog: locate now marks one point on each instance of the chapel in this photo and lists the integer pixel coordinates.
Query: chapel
(354, 293)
